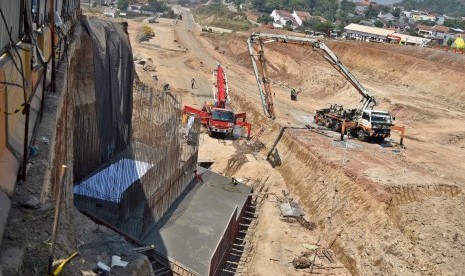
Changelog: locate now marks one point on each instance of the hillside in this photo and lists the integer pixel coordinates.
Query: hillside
(454, 8)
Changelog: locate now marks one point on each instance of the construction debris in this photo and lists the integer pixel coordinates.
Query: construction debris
(116, 261)
(306, 224)
(301, 262)
(291, 209)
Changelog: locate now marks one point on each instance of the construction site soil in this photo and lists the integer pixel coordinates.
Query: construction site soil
(382, 209)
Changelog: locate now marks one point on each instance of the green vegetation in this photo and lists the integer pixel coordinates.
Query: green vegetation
(450, 7)
(318, 26)
(123, 4)
(455, 23)
(154, 6)
(379, 24)
(449, 42)
(218, 15)
(265, 19)
(329, 9)
(158, 6)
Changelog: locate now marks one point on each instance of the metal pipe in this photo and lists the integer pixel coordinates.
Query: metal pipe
(27, 107)
(56, 218)
(44, 87)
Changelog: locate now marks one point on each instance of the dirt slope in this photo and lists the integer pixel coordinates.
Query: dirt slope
(395, 210)
(384, 211)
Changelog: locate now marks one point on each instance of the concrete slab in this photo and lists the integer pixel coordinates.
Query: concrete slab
(291, 209)
(11, 260)
(192, 228)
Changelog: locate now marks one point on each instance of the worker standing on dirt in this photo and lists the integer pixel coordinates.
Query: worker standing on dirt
(192, 82)
(294, 94)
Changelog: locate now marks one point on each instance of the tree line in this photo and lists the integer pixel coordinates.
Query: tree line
(454, 8)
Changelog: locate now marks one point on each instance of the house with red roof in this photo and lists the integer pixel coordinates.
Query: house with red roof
(440, 31)
(424, 30)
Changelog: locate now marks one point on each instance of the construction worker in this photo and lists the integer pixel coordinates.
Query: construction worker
(293, 94)
(192, 82)
(166, 87)
(198, 177)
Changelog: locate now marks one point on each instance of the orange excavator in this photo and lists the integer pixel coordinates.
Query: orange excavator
(218, 117)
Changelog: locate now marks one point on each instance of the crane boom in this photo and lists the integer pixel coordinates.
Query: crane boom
(255, 45)
(220, 87)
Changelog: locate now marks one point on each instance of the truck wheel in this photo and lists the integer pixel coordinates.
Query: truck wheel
(328, 124)
(336, 126)
(361, 135)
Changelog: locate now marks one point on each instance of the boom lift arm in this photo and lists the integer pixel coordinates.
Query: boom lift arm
(220, 87)
(255, 45)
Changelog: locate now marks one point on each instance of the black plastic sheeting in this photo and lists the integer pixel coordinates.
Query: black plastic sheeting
(114, 75)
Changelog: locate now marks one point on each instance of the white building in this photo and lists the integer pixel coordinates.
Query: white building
(367, 33)
(360, 32)
(301, 16)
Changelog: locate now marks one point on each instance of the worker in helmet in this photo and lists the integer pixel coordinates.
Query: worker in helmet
(192, 82)
(294, 93)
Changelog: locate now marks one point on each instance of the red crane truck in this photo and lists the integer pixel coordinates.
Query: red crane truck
(218, 117)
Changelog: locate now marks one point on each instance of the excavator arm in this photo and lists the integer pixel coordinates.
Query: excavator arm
(255, 45)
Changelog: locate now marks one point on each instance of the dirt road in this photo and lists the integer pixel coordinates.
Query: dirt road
(383, 209)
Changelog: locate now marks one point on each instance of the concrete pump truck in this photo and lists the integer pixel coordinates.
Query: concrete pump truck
(363, 122)
(218, 117)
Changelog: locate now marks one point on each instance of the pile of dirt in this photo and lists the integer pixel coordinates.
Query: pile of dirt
(306, 224)
(301, 262)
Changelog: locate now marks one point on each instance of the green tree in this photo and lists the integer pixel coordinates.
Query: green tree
(449, 42)
(385, 9)
(327, 8)
(454, 23)
(450, 7)
(371, 12)
(265, 19)
(157, 6)
(379, 24)
(324, 27)
(347, 6)
(396, 12)
(123, 4)
(311, 23)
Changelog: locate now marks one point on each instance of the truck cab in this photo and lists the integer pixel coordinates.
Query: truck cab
(374, 124)
(221, 121)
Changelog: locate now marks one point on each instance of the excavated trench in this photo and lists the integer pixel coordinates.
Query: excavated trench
(401, 219)
(360, 218)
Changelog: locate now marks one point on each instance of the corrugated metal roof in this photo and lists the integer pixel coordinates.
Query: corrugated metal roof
(368, 30)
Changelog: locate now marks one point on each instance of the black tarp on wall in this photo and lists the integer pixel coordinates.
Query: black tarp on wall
(112, 104)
